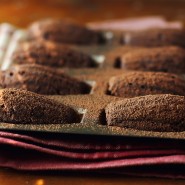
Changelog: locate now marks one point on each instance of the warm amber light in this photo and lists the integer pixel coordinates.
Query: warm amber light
(39, 182)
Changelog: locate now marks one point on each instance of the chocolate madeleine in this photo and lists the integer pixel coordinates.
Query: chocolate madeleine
(42, 80)
(164, 113)
(51, 55)
(63, 31)
(131, 84)
(164, 59)
(155, 37)
(24, 107)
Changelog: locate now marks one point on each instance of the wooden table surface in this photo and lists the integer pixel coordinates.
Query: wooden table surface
(22, 12)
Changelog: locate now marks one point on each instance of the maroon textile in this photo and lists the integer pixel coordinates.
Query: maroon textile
(124, 155)
(136, 24)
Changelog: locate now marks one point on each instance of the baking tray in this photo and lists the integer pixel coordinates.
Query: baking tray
(90, 106)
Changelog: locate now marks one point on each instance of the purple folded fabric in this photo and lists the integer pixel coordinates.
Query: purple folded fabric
(91, 155)
(42, 151)
(77, 142)
(136, 24)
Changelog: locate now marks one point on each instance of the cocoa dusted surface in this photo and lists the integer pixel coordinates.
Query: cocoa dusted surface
(164, 59)
(64, 32)
(42, 80)
(53, 55)
(152, 112)
(94, 104)
(131, 84)
(20, 106)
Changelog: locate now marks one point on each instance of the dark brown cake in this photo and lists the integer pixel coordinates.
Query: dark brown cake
(131, 84)
(51, 55)
(155, 37)
(42, 80)
(152, 112)
(20, 106)
(62, 31)
(165, 59)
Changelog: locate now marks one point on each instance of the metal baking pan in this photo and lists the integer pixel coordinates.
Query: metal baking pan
(90, 106)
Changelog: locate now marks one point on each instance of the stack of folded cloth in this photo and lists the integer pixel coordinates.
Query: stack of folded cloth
(130, 156)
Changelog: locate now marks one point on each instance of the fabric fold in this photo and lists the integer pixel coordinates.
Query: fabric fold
(122, 155)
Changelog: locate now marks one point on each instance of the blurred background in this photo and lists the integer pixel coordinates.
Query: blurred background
(22, 12)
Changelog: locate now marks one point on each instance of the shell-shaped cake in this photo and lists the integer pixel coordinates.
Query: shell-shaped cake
(131, 84)
(52, 55)
(24, 107)
(63, 31)
(164, 113)
(164, 59)
(155, 37)
(42, 80)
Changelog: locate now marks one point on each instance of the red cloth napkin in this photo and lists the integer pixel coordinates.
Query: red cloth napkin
(136, 24)
(124, 155)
